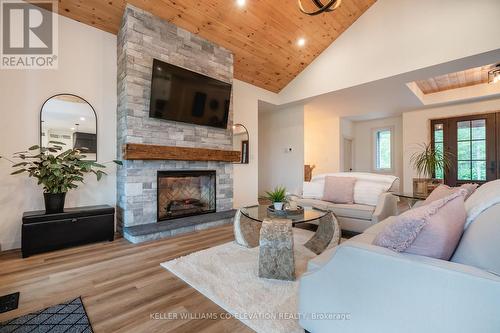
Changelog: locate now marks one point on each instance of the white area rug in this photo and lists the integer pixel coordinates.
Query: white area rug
(228, 275)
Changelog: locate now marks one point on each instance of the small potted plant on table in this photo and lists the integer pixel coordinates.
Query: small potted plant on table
(56, 170)
(277, 197)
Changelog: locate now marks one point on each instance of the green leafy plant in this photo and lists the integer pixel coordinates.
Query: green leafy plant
(56, 170)
(277, 195)
(429, 159)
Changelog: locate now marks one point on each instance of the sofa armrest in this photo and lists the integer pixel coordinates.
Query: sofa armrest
(387, 205)
(378, 290)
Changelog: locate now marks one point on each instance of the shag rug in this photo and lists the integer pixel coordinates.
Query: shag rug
(228, 275)
(69, 317)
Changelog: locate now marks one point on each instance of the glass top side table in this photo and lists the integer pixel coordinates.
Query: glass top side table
(260, 213)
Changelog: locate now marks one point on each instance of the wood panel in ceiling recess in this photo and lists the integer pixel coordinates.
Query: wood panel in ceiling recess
(466, 78)
(262, 36)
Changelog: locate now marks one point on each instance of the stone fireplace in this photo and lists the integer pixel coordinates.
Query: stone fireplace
(141, 203)
(185, 193)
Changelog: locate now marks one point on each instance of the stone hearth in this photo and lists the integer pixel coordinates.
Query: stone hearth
(142, 38)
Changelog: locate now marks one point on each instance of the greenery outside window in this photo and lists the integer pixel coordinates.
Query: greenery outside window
(439, 148)
(383, 149)
(471, 147)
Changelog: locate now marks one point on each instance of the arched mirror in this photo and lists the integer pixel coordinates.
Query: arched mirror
(241, 142)
(71, 120)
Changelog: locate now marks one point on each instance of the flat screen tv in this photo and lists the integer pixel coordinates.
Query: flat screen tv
(178, 94)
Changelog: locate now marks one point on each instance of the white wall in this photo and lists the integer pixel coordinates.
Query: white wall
(363, 144)
(399, 36)
(346, 128)
(416, 126)
(246, 111)
(346, 132)
(322, 140)
(279, 131)
(87, 67)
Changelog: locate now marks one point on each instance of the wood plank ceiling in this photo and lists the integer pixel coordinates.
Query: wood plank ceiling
(263, 35)
(466, 78)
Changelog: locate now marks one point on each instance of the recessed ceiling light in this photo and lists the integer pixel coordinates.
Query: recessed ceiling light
(241, 3)
(82, 118)
(301, 42)
(72, 128)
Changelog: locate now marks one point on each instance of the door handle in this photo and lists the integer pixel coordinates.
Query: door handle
(493, 166)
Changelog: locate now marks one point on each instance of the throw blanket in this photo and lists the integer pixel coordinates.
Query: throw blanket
(483, 198)
(368, 187)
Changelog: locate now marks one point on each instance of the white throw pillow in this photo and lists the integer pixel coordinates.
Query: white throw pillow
(368, 192)
(367, 189)
(479, 245)
(313, 190)
(483, 198)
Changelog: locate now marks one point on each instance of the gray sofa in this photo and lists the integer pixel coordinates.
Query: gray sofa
(358, 217)
(379, 290)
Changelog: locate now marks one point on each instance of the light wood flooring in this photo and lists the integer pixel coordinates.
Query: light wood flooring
(121, 284)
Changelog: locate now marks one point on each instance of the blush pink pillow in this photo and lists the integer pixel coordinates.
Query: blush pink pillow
(470, 188)
(432, 230)
(339, 189)
(443, 191)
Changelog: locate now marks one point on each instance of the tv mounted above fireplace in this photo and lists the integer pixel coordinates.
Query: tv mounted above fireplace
(178, 94)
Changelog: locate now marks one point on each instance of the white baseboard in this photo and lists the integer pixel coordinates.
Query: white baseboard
(5, 246)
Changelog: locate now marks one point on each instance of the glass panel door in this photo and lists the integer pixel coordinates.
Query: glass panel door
(471, 148)
(472, 143)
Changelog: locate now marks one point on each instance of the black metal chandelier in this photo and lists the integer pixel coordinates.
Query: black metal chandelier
(322, 8)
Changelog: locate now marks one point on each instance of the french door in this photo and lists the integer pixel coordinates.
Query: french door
(474, 147)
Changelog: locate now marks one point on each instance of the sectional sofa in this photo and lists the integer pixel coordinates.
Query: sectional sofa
(378, 290)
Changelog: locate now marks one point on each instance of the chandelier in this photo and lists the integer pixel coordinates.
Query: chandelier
(494, 75)
(322, 8)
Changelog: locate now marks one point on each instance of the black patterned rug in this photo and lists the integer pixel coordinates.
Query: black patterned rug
(69, 317)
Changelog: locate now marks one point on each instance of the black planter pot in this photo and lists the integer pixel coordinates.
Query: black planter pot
(54, 202)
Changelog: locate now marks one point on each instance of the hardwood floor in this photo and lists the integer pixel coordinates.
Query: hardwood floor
(122, 285)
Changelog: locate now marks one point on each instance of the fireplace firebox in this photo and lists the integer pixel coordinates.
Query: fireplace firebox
(185, 193)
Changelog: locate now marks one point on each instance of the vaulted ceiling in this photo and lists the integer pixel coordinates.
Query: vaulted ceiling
(262, 35)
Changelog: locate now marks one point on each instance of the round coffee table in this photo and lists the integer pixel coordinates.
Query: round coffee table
(256, 225)
(260, 213)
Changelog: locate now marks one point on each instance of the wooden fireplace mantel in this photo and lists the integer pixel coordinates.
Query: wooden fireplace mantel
(136, 151)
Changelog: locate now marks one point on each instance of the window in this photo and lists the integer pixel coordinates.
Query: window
(383, 149)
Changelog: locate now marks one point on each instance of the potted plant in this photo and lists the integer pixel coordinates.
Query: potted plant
(56, 170)
(277, 197)
(426, 162)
